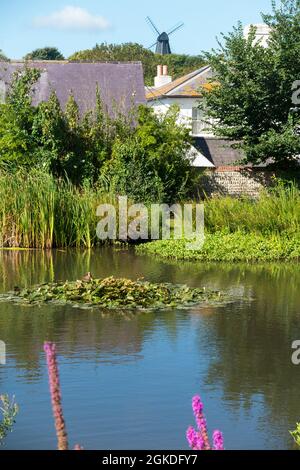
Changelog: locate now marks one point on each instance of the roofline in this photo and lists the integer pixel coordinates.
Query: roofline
(37, 61)
(188, 77)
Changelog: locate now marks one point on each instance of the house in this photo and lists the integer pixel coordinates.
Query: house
(262, 34)
(121, 84)
(218, 159)
(184, 92)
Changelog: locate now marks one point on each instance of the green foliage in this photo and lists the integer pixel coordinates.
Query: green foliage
(142, 155)
(152, 164)
(229, 247)
(45, 136)
(296, 435)
(16, 119)
(39, 211)
(3, 57)
(275, 212)
(178, 64)
(267, 229)
(9, 411)
(251, 98)
(45, 53)
(112, 293)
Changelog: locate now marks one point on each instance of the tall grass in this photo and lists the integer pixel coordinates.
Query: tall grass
(36, 211)
(275, 212)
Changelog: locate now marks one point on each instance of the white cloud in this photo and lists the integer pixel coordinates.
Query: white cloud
(72, 18)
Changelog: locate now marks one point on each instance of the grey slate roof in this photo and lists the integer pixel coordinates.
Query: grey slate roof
(220, 152)
(121, 84)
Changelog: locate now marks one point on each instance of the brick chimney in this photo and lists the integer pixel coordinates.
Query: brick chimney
(162, 77)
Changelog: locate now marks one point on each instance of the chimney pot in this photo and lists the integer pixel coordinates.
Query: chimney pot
(159, 70)
(165, 70)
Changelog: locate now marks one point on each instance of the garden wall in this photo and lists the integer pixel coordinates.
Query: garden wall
(236, 181)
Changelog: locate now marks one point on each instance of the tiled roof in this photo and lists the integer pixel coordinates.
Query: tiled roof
(188, 86)
(121, 84)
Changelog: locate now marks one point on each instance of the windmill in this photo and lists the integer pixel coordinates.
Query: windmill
(162, 42)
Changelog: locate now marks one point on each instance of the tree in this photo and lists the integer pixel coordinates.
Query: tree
(3, 57)
(46, 53)
(178, 64)
(250, 99)
(152, 163)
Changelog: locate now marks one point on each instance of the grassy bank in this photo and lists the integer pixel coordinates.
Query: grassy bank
(238, 246)
(276, 212)
(39, 211)
(267, 229)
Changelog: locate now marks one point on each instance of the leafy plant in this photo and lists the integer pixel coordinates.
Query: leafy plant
(229, 247)
(296, 435)
(152, 164)
(9, 411)
(112, 293)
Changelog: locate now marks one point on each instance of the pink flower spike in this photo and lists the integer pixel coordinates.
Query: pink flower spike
(192, 438)
(197, 405)
(218, 440)
(54, 384)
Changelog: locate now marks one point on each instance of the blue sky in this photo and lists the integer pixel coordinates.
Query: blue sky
(73, 25)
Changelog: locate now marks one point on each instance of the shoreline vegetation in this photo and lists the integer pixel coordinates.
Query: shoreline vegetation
(229, 247)
(38, 211)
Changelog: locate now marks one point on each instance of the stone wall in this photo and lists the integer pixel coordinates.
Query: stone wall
(236, 181)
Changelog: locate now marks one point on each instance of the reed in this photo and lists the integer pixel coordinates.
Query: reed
(37, 211)
(274, 212)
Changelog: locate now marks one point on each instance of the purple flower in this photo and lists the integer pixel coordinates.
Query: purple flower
(197, 405)
(218, 440)
(54, 384)
(198, 440)
(191, 436)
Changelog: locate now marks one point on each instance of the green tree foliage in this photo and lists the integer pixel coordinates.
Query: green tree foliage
(45, 53)
(142, 154)
(3, 57)
(178, 64)
(152, 164)
(251, 97)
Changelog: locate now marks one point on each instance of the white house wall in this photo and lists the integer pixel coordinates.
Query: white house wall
(186, 106)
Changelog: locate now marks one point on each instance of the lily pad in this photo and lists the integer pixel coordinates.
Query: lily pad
(115, 294)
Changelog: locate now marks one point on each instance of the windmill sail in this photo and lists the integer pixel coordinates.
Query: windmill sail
(163, 42)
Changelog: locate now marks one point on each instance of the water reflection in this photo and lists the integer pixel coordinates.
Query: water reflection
(138, 373)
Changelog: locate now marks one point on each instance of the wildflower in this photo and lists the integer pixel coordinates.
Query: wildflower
(218, 440)
(198, 439)
(60, 426)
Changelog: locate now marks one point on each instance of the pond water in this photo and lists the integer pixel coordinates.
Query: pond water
(127, 382)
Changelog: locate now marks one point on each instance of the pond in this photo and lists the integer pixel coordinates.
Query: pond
(127, 381)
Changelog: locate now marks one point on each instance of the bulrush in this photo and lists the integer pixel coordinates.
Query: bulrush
(60, 426)
(198, 439)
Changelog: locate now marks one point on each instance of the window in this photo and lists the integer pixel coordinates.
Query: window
(199, 126)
